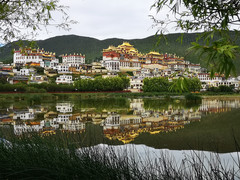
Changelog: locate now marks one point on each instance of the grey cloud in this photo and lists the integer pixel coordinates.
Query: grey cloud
(107, 19)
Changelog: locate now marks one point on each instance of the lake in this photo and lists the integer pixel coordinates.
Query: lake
(210, 124)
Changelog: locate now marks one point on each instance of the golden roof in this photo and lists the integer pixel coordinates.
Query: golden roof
(127, 141)
(111, 47)
(125, 44)
(133, 50)
(154, 53)
(155, 132)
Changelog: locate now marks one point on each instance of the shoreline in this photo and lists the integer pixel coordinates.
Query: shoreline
(128, 92)
(84, 92)
(114, 94)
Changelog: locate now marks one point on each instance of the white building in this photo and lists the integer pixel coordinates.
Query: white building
(111, 65)
(205, 77)
(216, 105)
(130, 120)
(74, 126)
(144, 72)
(38, 79)
(136, 82)
(86, 77)
(62, 118)
(137, 105)
(217, 81)
(38, 57)
(54, 64)
(73, 60)
(194, 68)
(64, 107)
(112, 120)
(23, 116)
(64, 79)
(167, 72)
(130, 65)
(177, 67)
(50, 123)
(63, 69)
(229, 82)
(23, 72)
(24, 128)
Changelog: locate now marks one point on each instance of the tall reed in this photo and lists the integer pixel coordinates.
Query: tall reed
(40, 158)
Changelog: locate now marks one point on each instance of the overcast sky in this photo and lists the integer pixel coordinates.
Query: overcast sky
(104, 19)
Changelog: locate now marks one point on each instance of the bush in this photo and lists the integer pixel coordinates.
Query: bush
(35, 90)
(221, 89)
(98, 84)
(101, 84)
(31, 90)
(162, 84)
(156, 84)
(193, 97)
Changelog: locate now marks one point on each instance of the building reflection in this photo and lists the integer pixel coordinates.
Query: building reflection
(218, 105)
(126, 128)
(121, 126)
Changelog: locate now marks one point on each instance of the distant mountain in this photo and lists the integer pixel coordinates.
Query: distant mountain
(92, 47)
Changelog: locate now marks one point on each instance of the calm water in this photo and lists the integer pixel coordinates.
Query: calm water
(211, 124)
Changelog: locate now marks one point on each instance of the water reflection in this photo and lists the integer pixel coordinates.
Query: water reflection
(218, 106)
(123, 124)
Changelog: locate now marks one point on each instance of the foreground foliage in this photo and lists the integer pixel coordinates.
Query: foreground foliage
(31, 15)
(37, 157)
(216, 18)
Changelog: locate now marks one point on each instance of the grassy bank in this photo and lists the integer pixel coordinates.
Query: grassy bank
(38, 98)
(124, 93)
(87, 95)
(41, 158)
(33, 98)
(104, 100)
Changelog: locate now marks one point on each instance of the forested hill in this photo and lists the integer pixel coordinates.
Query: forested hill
(92, 48)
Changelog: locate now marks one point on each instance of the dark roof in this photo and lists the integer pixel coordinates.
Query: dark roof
(22, 78)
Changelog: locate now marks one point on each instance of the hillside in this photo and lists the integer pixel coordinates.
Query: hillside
(92, 47)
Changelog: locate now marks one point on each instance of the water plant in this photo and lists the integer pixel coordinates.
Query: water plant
(38, 157)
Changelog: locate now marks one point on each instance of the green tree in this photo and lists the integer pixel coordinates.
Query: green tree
(29, 15)
(3, 80)
(156, 84)
(225, 88)
(194, 84)
(216, 18)
(126, 82)
(180, 85)
(184, 84)
(101, 84)
(39, 69)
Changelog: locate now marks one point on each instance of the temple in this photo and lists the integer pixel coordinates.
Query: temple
(127, 58)
(33, 57)
(73, 60)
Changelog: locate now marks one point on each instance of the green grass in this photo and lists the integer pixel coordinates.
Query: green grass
(41, 158)
(37, 158)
